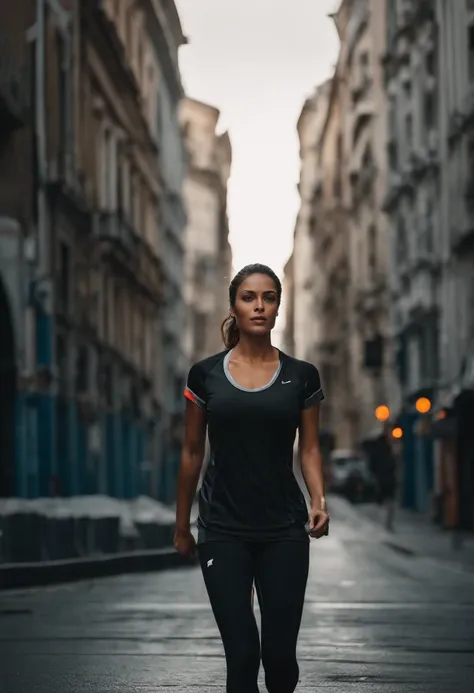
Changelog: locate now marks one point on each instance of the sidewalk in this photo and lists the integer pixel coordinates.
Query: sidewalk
(416, 534)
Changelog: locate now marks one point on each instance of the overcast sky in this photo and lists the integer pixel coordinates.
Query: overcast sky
(257, 61)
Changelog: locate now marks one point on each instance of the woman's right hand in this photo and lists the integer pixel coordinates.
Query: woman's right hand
(184, 543)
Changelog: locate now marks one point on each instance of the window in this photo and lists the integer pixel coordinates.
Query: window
(402, 245)
(107, 163)
(429, 108)
(82, 370)
(136, 211)
(429, 226)
(120, 179)
(63, 84)
(393, 156)
(62, 361)
(409, 129)
(372, 251)
(430, 63)
(471, 52)
(159, 114)
(64, 277)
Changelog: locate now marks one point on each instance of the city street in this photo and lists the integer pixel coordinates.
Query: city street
(375, 620)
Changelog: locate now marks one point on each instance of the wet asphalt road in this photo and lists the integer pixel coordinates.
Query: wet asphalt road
(374, 620)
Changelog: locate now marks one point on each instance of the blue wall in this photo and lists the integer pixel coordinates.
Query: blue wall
(68, 466)
(53, 455)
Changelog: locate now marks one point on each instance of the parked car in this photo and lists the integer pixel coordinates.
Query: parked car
(350, 476)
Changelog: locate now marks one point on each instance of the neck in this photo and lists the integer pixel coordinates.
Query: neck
(255, 349)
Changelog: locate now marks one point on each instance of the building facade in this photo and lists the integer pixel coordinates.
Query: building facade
(16, 228)
(340, 255)
(414, 212)
(365, 168)
(208, 262)
(306, 323)
(288, 306)
(454, 480)
(413, 199)
(331, 262)
(83, 203)
(166, 37)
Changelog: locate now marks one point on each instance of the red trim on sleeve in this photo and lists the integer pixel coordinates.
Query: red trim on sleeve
(189, 395)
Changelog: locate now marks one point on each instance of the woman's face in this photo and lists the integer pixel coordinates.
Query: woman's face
(256, 305)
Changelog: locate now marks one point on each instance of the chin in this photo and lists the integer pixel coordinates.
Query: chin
(260, 329)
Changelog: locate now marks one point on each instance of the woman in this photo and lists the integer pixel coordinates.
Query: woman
(253, 521)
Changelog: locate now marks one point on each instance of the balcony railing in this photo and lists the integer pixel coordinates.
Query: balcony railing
(113, 227)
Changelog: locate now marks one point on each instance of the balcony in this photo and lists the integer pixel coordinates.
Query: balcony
(69, 188)
(461, 118)
(112, 227)
(133, 253)
(426, 259)
(399, 183)
(362, 182)
(371, 298)
(462, 237)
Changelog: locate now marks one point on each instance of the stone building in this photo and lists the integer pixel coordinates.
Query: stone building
(16, 227)
(454, 403)
(413, 198)
(340, 256)
(455, 91)
(166, 36)
(288, 306)
(306, 281)
(208, 262)
(89, 203)
(365, 171)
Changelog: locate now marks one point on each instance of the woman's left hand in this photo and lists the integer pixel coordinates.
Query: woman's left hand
(318, 523)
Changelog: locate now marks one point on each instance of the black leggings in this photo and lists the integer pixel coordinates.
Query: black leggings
(280, 571)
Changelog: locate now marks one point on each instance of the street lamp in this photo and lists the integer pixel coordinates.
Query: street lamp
(423, 405)
(382, 413)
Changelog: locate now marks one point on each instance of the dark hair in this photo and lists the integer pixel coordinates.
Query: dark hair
(229, 328)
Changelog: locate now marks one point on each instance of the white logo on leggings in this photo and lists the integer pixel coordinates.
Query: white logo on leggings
(209, 563)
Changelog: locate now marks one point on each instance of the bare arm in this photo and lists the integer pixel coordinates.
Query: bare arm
(191, 462)
(312, 468)
(310, 455)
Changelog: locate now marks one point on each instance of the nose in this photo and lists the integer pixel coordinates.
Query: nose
(259, 307)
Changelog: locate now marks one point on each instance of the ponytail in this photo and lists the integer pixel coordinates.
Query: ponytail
(230, 332)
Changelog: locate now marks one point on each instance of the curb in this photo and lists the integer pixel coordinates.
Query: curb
(38, 574)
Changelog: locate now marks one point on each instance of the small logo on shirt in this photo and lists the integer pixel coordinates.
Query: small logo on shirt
(285, 382)
(210, 562)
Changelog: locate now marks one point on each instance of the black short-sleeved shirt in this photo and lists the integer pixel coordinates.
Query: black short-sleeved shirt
(249, 489)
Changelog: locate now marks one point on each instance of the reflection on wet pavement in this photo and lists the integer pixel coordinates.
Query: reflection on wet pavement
(374, 620)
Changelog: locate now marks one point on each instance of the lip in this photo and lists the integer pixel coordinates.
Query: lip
(258, 319)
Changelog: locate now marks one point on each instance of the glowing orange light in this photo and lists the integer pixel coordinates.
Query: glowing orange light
(423, 405)
(382, 413)
(441, 415)
(397, 432)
